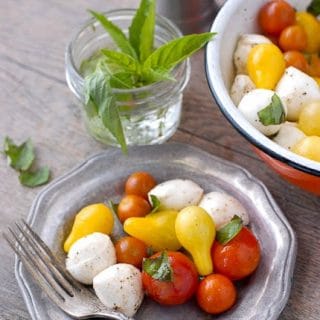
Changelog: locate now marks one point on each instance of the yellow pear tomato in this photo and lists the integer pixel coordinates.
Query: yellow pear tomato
(93, 218)
(309, 119)
(308, 147)
(311, 26)
(265, 65)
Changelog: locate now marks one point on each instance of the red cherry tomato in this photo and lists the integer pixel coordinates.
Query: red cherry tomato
(276, 15)
(140, 183)
(183, 285)
(131, 250)
(132, 206)
(293, 38)
(296, 59)
(216, 294)
(239, 257)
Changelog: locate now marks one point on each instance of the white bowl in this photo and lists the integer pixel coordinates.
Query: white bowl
(238, 17)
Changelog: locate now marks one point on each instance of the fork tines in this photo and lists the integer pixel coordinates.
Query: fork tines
(41, 263)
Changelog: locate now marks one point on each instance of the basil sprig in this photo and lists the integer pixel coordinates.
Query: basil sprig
(155, 202)
(135, 63)
(314, 7)
(21, 158)
(229, 231)
(158, 268)
(273, 113)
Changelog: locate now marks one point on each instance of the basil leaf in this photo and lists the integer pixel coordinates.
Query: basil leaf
(155, 202)
(141, 31)
(115, 33)
(314, 7)
(158, 268)
(110, 117)
(173, 52)
(122, 80)
(98, 91)
(228, 232)
(273, 113)
(122, 59)
(151, 76)
(36, 178)
(19, 157)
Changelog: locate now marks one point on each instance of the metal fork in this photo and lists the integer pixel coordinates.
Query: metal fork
(69, 295)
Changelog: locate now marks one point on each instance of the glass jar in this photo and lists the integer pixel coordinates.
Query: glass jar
(149, 114)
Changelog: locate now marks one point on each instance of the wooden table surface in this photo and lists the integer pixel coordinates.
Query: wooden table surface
(35, 102)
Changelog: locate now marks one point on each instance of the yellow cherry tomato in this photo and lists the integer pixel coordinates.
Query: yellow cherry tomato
(93, 218)
(311, 26)
(309, 119)
(265, 65)
(308, 147)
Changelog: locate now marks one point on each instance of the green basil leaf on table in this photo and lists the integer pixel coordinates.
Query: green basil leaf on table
(116, 34)
(158, 268)
(175, 51)
(141, 31)
(273, 113)
(20, 157)
(314, 7)
(229, 231)
(34, 178)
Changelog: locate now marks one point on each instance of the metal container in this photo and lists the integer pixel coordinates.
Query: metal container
(192, 16)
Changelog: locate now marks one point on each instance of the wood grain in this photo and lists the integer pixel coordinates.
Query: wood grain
(36, 102)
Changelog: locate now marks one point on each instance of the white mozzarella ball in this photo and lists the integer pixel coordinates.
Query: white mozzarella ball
(177, 193)
(89, 255)
(242, 85)
(255, 101)
(245, 43)
(288, 135)
(222, 208)
(119, 288)
(296, 89)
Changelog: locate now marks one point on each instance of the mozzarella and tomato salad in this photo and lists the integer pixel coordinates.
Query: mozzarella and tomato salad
(277, 80)
(178, 243)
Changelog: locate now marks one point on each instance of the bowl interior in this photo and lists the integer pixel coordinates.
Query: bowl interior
(238, 17)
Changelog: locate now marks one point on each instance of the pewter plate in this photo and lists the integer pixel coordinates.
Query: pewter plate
(100, 178)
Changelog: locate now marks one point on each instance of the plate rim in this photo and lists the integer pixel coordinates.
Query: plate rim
(275, 308)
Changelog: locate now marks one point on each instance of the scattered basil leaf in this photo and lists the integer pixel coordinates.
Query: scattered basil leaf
(314, 7)
(273, 113)
(98, 91)
(20, 157)
(121, 59)
(173, 52)
(141, 31)
(34, 178)
(158, 268)
(155, 202)
(229, 231)
(116, 34)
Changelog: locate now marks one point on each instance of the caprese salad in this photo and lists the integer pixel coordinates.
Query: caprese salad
(179, 243)
(277, 80)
